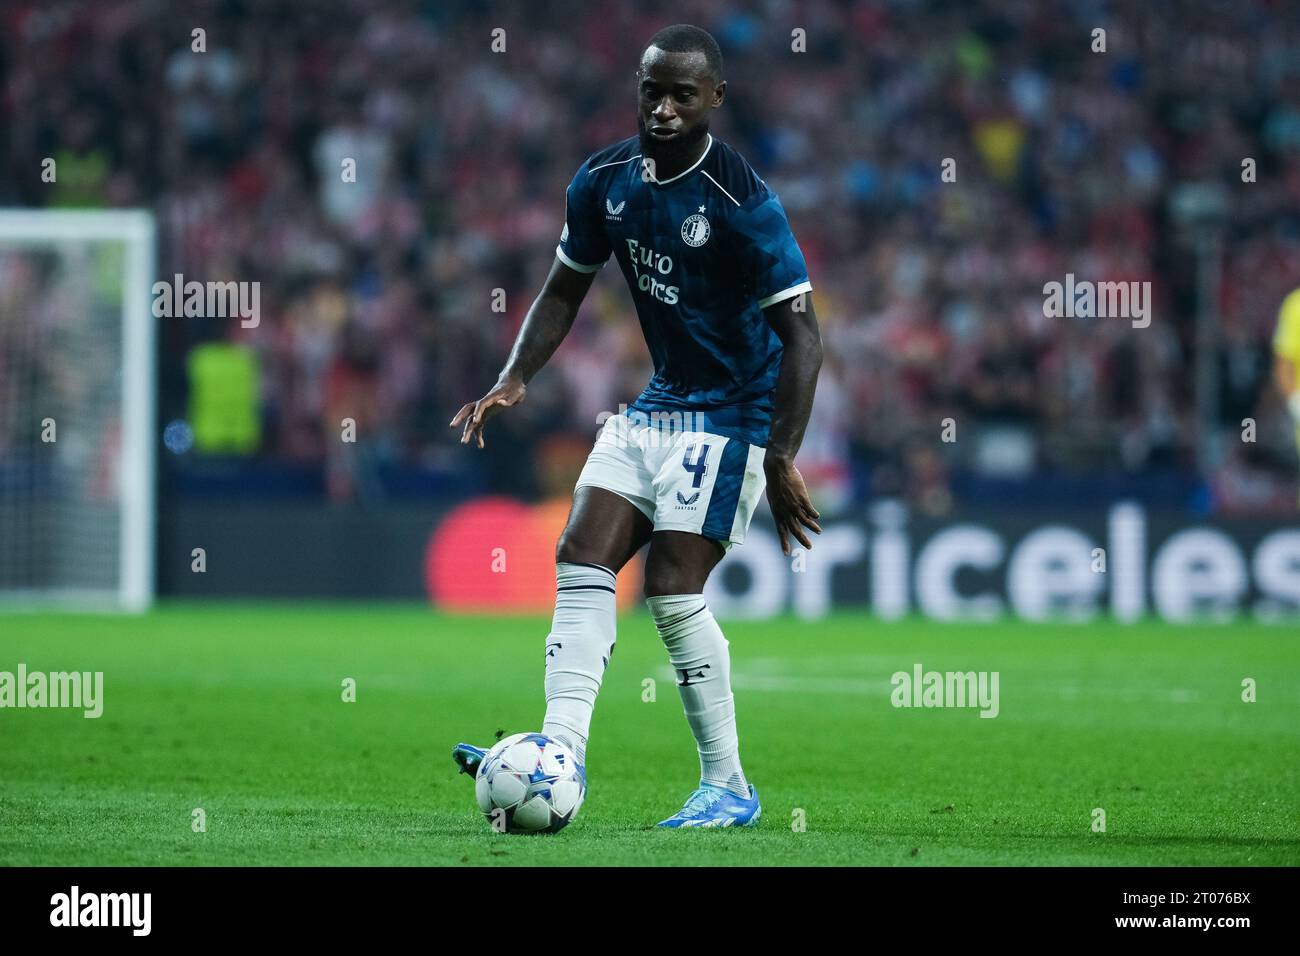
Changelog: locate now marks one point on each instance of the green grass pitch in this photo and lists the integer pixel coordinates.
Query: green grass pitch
(237, 709)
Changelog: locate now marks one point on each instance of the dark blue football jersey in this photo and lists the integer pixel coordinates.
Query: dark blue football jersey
(703, 253)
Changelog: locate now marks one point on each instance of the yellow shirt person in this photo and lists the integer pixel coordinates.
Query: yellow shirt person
(1286, 356)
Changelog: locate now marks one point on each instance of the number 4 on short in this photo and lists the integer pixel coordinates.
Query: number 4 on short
(700, 467)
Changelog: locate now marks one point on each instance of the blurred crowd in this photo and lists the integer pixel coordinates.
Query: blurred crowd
(377, 294)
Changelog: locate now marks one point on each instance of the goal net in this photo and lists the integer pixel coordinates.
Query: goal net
(76, 409)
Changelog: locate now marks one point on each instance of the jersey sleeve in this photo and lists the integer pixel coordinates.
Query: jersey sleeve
(768, 255)
(1286, 341)
(583, 246)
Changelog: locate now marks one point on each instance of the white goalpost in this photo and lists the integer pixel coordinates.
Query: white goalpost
(77, 383)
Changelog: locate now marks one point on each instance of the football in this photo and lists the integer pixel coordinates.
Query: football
(529, 783)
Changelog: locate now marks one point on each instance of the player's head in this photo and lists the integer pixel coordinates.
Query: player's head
(679, 83)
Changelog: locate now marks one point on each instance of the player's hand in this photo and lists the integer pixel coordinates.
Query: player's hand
(787, 495)
(507, 392)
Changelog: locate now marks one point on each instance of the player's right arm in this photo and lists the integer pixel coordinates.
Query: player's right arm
(547, 323)
(1286, 354)
(1284, 375)
(582, 251)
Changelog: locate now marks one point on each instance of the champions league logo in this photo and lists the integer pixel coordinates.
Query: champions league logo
(695, 230)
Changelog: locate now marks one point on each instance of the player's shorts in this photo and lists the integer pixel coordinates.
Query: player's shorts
(692, 481)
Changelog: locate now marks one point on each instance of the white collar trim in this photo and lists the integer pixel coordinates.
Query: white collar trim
(665, 182)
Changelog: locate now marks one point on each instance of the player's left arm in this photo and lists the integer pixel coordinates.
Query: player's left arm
(795, 325)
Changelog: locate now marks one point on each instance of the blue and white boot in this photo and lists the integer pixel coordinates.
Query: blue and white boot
(713, 806)
(468, 757)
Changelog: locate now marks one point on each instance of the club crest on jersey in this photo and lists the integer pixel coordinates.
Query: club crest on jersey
(695, 230)
(613, 211)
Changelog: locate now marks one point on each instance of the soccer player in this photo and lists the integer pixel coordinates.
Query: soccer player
(722, 292)
(1286, 357)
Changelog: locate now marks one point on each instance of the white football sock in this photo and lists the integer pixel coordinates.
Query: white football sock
(577, 651)
(699, 655)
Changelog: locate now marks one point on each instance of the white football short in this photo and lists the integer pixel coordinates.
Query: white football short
(692, 481)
